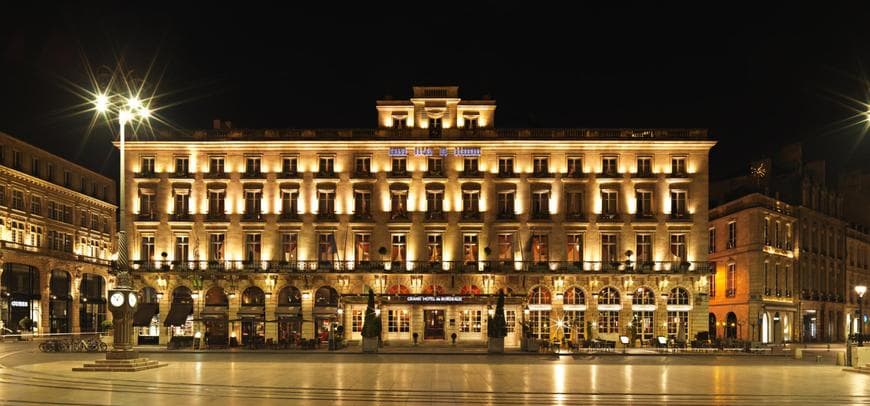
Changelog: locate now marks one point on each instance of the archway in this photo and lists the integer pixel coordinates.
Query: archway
(253, 315)
(146, 320)
(59, 303)
(92, 310)
(711, 325)
(20, 284)
(325, 311)
(289, 316)
(731, 326)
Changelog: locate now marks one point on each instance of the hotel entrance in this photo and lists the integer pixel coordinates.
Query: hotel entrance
(434, 327)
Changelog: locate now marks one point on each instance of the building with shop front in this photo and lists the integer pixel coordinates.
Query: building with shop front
(857, 273)
(249, 236)
(753, 246)
(57, 222)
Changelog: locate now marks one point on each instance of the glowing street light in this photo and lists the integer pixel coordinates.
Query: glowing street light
(861, 290)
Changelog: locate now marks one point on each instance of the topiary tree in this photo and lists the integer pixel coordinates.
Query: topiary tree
(25, 325)
(497, 326)
(372, 323)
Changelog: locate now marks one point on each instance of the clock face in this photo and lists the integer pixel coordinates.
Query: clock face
(117, 299)
(132, 298)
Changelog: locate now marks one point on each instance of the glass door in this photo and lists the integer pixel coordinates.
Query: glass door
(434, 320)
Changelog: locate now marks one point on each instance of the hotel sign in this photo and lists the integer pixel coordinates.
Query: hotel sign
(434, 299)
(435, 151)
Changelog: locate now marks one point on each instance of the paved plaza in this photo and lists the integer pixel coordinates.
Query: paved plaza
(242, 378)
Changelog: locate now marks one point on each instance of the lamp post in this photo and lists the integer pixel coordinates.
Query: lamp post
(861, 290)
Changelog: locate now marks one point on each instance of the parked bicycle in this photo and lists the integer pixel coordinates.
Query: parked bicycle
(74, 344)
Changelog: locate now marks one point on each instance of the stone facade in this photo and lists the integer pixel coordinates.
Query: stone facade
(434, 203)
(57, 222)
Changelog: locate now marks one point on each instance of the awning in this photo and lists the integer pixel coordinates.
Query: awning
(505, 187)
(325, 187)
(325, 310)
(470, 186)
(178, 313)
(288, 311)
(144, 314)
(290, 187)
(398, 186)
(252, 312)
(434, 186)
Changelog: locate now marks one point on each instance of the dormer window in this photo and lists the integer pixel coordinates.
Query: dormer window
(435, 127)
(471, 123)
(398, 122)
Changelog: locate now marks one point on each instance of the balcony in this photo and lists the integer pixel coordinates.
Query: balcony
(682, 216)
(147, 217)
(644, 217)
(289, 175)
(647, 174)
(253, 217)
(215, 175)
(362, 217)
(542, 175)
(145, 175)
(399, 174)
(180, 217)
(327, 216)
(424, 267)
(326, 175)
(609, 218)
(253, 175)
(575, 175)
(434, 174)
(609, 175)
(216, 217)
(471, 174)
(507, 175)
(289, 216)
(400, 216)
(435, 215)
(540, 215)
(363, 174)
(506, 216)
(181, 175)
(679, 174)
(471, 216)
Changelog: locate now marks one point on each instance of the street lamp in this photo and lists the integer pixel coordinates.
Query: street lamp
(861, 290)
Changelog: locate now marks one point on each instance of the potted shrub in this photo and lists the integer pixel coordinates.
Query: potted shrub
(371, 331)
(496, 328)
(453, 338)
(416, 335)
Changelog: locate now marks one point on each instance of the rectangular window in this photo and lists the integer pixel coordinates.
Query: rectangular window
(327, 165)
(470, 321)
(216, 247)
(678, 247)
(678, 325)
(146, 167)
(363, 165)
(506, 204)
(182, 165)
(362, 247)
(216, 165)
(644, 166)
(356, 321)
(471, 123)
(608, 248)
(574, 203)
(574, 248)
(433, 247)
(289, 165)
(713, 285)
(470, 165)
(399, 166)
(36, 205)
(182, 248)
(678, 203)
(732, 234)
(83, 218)
(182, 204)
(469, 248)
(252, 203)
(216, 199)
(16, 159)
(17, 230)
(540, 248)
(643, 322)
(510, 317)
(575, 166)
(541, 203)
(326, 248)
(435, 166)
(34, 167)
(82, 185)
(506, 166)
(36, 236)
(711, 243)
(541, 165)
(146, 248)
(398, 252)
(67, 178)
(644, 248)
(289, 203)
(398, 204)
(252, 247)
(17, 199)
(609, 166)
(95, 222)
(608, 202)
(326, 202)
(49, 172)
(608, 322)
(644, 202)
(574, 324)
(678, 165)
(539, 324)
(434, 203)
(731, 280)
(252, 166)
(362, 201)
(3, 195)
(398, 321)
(470, 202)
(505, 247)
(288, 246)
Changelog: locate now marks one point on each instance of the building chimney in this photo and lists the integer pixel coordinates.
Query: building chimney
(216, 124)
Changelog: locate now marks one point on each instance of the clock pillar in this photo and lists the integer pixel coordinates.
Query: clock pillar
(123, 308)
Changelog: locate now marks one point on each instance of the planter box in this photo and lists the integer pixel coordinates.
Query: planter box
(496, 345)
(370, 344)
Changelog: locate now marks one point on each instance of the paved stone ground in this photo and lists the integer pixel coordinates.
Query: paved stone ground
(29, 377)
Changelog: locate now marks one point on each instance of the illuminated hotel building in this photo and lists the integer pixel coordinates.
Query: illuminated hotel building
(57, 222)
(271, 235)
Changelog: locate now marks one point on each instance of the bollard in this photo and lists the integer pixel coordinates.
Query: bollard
(829, 347)
(841, 358)
(798, 353)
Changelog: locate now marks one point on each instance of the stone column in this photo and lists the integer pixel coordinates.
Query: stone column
(308, 314)
(271, 328)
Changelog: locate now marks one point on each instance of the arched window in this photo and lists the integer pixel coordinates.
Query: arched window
(433, 290)
(609, 296)
(643, 296)
(678, 296)
(398, 290)
(216, 297)
(469, 290)
(253, 296)
(289, 296)
(91, 288)
(326, 296)
(539, 295)
(21, 280)
(574, 296)
(60, 285)
(181, 295)
(731, 326)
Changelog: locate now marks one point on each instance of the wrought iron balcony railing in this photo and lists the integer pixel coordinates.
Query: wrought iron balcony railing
(428, 267)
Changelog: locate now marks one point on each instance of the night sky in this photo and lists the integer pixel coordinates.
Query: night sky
(757, 78)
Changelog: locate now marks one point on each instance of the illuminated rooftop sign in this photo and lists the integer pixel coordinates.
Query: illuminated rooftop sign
(435, 151)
